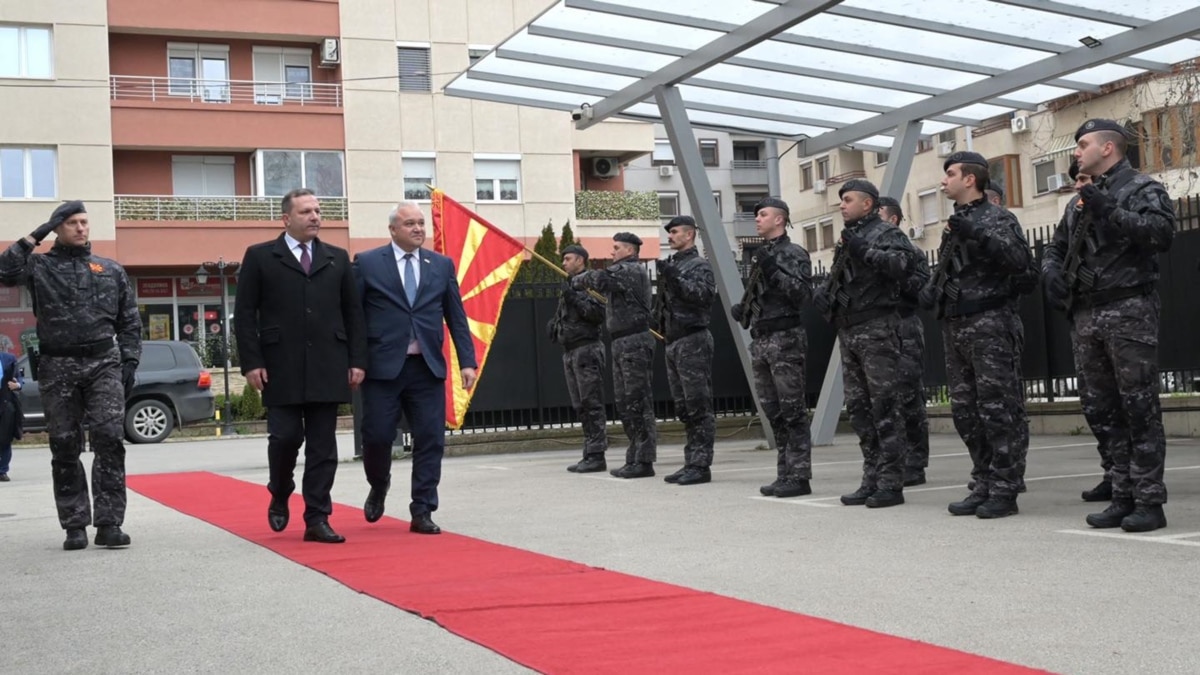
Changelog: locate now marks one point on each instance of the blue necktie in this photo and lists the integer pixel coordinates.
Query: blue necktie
(410, 279)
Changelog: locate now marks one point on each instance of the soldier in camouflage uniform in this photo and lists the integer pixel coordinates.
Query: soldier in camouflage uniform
(626, 285)
(912, 336)
(983, 249)
(686, 293)
(89, 341)
(862, 297)
(1103, 266)
(576, 326)
(780, 284)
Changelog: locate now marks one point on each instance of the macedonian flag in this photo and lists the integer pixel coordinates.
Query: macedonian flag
(487, 260)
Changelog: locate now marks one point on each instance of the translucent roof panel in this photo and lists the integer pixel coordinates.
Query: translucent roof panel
(828, 73)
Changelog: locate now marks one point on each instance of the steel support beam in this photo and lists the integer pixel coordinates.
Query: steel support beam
(712, 230)
(1149, 36)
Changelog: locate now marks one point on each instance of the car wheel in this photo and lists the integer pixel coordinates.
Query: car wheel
(148, 421)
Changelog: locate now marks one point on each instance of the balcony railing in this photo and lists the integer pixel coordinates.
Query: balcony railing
(151, 207)
(304, 94)
(604, 205)
(748, 172)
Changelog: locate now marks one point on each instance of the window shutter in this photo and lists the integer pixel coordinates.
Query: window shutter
(414, 68)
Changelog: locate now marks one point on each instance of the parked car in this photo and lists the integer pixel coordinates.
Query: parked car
(172, 389)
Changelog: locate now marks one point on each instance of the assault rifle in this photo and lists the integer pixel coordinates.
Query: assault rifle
(1076, 273)
(751, 307)
(940, 279)
(841, 258)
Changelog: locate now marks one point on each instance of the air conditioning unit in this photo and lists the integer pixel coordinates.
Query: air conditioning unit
(666, 171)
(1020, 124)
(945, 149)
(917, 232)
(1059, 182)
(819, 186)
(331, 52)
(605, 167)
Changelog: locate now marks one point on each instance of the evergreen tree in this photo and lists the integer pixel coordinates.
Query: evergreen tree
(534, 271)
(567, 239)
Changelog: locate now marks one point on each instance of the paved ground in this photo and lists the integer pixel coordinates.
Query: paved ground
(1040, 589)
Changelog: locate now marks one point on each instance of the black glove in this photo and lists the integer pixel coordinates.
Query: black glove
(822, 301)
(927, 297)
(963, 226)
(1057, 291)
(60, 215)
(1100, 204)
(736, 312)
(857, 245)
(128, 376)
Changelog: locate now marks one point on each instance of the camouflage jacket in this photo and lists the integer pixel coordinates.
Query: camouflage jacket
(890, 269)
(983, 266)
(626, 284)
(789, 285)
(578, 317)
(686, 294)
(1124, 253)
(78, 298)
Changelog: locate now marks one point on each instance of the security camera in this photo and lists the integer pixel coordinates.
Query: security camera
(583, 112)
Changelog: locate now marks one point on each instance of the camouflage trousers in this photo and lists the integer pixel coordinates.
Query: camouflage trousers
(982, 355)
(879, 376)
(778, 362)
(633, 372)
(689, 372)
(76, 390)
(1116, 359)
(584, 370)
(916, 421)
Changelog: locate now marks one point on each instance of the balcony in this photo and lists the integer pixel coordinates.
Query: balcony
(601, 214)
(748, 172)
(151, 207)
(219, 92)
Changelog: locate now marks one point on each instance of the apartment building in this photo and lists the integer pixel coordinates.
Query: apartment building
(182, 123)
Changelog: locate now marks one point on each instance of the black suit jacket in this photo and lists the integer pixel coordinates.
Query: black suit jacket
(306, 330)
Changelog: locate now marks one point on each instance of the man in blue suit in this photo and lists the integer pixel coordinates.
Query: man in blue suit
(406, 293)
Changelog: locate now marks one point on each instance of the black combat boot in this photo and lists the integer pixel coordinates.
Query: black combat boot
(674, 478)
(76, 539)
(793, 487)
(111, 536)
(997, 507)
(769, 489)
(636, 470)
(1145, 518)
(859, 496)
(885, 498)
(914, 476)
(591, 464)
(1101, 493)
(968, 506)
(1113, 515)
(618, 472)
(695, 475)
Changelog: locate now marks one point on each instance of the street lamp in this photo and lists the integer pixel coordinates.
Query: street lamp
(202, 278)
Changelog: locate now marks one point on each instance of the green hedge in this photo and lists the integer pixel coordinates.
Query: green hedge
(601, 205)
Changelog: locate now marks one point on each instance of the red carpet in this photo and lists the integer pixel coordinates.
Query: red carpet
(554, 615)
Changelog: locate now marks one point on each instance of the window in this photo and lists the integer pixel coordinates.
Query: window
(1170, 137)
(717, 199)
(931, 207)
(810, 237)
(823, 168)
(28, 173)
(26, 51)
(497, 180)
(663, 154)
(419, 173)
(200, 176)
(924, 144)
(881, 158)
(1005, 172)
(198, 71)
(948, 136)
(277, 172)
(747, 152)
(414, 68)
(668, 205)
(282, 72)
(806, 181)
(1041, 176)
(476, 52)
(708, 152)
(827, 233)
(746, 201)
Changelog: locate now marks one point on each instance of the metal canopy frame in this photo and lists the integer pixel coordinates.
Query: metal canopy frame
(731, 65)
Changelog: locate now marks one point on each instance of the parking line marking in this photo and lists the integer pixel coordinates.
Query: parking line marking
(800, 502)
(1145, 539)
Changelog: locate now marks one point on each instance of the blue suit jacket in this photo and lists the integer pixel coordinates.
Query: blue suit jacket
(391, 321)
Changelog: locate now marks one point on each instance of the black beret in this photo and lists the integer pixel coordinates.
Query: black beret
(775, 202)
(890, 202)
(66, 210)
(992, 187)
(680, 220)
(627, 238)
(1100, 125)
(964, 157)
(577, 250)
(860, 185)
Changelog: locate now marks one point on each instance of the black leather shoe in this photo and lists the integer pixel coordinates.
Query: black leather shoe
(423, 524)
(695, 475)
(278, 514)
(373, 508)
(111, 536)
(637, 470)
(997, 507)
(591, 464)
(617, 472)
(1145, 519)
(859, 496)
(1101, 493)
(793, 487)
(76, 540)
(884, 498)
(968, 506)
(674, 478)
(4, 478)
(914, 477)
(769, 489)
(323, 533)
(1112, 516)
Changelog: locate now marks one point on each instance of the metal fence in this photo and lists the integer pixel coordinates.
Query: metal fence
(153, 207)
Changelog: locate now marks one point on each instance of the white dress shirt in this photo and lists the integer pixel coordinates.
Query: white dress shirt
(294, 247)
